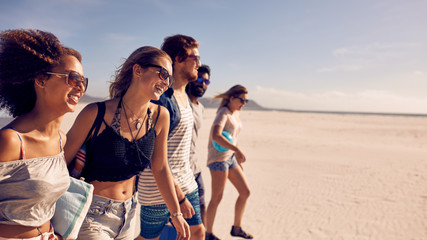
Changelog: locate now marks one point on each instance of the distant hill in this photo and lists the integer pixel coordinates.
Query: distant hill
(251, 105)
(89, 99)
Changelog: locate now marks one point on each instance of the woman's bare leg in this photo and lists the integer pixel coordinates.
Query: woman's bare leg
(219, 178)
(238, 179)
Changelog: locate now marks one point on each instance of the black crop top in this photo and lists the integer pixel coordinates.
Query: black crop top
(112, 158)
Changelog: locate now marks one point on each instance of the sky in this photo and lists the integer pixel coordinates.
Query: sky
(331, 55)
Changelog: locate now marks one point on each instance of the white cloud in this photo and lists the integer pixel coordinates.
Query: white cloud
(342, 67)
(355, 58)
(364, 101)
(340, 51)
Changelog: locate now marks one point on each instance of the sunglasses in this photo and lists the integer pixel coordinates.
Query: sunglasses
(163, 73)
(73, 79)
(197, 58)
(243, 101)
(201, 80)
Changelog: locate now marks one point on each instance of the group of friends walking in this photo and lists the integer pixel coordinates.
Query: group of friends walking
(141, 144)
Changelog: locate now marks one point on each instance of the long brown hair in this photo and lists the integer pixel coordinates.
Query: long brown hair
(141, 56)
(234, 91)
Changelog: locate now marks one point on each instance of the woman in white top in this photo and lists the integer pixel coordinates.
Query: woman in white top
(40, 81)
(225, 159)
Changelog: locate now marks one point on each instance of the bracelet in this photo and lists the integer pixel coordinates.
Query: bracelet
(180, 202)
(176, 214)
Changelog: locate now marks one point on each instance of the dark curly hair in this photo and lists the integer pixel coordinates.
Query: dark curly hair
(123, 77)
(179, 46)
(24, 56)
(205, 69)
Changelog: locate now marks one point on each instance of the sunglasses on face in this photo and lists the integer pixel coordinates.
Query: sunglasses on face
(201, 80)
(197, 58)
(163, 73)
(243, 101)
(73, 79)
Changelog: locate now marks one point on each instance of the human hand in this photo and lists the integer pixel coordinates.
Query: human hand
(187, 209)
(182, 228)
(240, 157)
(55, 237)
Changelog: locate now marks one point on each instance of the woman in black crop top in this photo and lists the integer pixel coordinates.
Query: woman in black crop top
(132, 135)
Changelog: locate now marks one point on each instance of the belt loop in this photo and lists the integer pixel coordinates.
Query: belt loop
(134, 200)
(109, 207)
(128, 204)
(124, 205)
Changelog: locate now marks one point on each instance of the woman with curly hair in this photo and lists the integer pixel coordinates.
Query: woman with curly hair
(40, 81)
(132, 136)
(225, 159)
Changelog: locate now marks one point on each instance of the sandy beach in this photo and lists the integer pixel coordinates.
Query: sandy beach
(326, 176)
(329, 176)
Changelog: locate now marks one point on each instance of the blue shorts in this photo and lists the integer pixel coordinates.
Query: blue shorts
(223, 166)
(201, 187)
(154, 218)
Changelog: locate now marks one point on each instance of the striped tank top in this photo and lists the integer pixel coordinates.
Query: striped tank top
(179, 141)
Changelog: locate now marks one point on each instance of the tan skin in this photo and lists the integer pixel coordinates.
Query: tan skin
(185, 72)
(235, 175)
(39, 129)
(145, 85)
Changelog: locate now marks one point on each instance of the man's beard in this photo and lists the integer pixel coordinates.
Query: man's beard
(197, 91)
(191, 77)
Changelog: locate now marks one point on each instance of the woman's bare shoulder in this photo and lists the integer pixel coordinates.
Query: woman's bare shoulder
(10, 145)
(156, 108)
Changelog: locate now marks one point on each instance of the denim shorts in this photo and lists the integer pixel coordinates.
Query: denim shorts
(154, 218)
(110, 219)
(223, 166)
(201, 187)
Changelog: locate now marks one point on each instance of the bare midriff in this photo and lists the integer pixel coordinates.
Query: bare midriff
(19, 231)
(119, 191)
